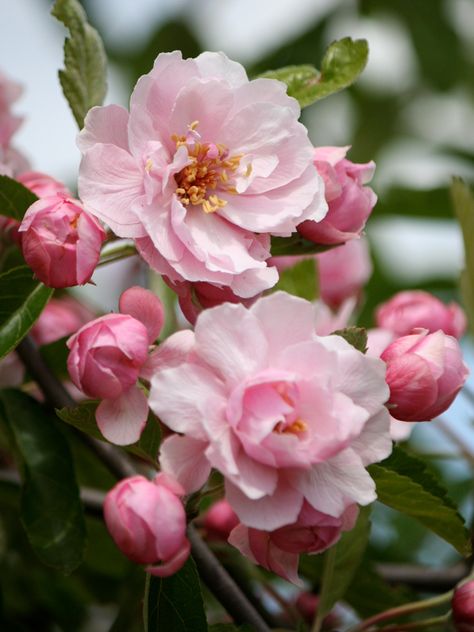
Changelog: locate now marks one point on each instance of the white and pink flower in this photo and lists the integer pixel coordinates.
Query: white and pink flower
(285, 415)
(205, 167)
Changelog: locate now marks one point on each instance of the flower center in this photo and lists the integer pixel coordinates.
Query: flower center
(210, 171)
(292, 424)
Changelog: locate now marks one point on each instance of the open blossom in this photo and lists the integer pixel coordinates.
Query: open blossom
(424, 372)
(60, 241)
(10, 92)
(106, 358)
(350, 202)
(278, 551)
(286, 416)
(413, 309)
(203, 169)
(148, 523)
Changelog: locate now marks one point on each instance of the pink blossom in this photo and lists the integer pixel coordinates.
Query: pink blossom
(413, 309)
(106, 359)
(60, 241)
(286, 416)
(10, 92)
(194, 297)
(350, 202)
(61, 317)
(462, 606)
(148, 523)
(278, 551)
(343, 271)
(424, 372)
(219, 521)
(204, 168)
(43, 185)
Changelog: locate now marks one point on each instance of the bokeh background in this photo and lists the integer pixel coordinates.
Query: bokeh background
(411, 111)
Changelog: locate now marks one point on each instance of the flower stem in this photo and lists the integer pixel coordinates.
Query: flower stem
(326, 580)
(418, 625)
(115, 251)
(408, 608)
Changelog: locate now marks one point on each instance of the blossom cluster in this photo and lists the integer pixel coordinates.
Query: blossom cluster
(202, 172)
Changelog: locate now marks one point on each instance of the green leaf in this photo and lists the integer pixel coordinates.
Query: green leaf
(463, 203)
(342, 562)
(82, 417)
(296, 245)
(15, 199)
(355, 336)
(23, 300)
(342, 63)
(405, 484)
(83, 79)
(300, 280)
(51, 510)
(175, 603)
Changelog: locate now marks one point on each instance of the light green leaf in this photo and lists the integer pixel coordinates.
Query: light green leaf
(82, 417)
(15, 199)
(463, 203)
(355, 336)
(342, 63)
(300, 280)
(405, 484)
(83, 79)
(51, 510)
(341, 563)
(175, 603)
(23, 299)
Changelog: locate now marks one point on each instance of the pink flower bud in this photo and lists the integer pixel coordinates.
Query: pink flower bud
(349, 201)
(343, 271)
(61, 317)
(307, 604)
(462, 606)
(148, 524)
(43, 185)
(220, 520)
(194, 297)
(107, 354)
(61, 242)
(424, 372)
(414, 309)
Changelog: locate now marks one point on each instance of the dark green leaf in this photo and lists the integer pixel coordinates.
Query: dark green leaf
(15, 199)
(342, 63)
(83, 79)
(405, 484)
(51, 510)
(342, 562)
(23, 299)
(463, 202)
(175, 603)
(82, 417)
(295, 245)
(300, 280)
(355, 336)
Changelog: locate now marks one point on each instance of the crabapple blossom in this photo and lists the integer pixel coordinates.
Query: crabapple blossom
(343, 271)
(43, 185)
(278, 551)
(61, 317)
(106, 358)
(424, 372)
(349, 201)
(285, 415)
(60, 241)
(413, 309)
(12, 162)
(148, 523)
(205, 167)
(219, 520)
(462, 606)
